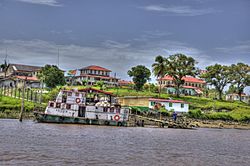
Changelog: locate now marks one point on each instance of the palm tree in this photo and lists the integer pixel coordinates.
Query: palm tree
(159, 69)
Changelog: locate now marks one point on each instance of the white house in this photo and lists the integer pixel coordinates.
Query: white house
(175, 105)
(235, 97)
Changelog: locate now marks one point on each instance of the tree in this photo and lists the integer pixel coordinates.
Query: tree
(178, 66)
(52, 76)
(100, 84)
(240, 77)
(218, 76)
(140, 75)
(159, 69)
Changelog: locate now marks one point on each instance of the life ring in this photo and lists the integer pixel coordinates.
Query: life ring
(78, 100)
(117, 117)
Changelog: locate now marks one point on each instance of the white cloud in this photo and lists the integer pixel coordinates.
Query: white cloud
(119, 57)
(242, 47)
(179, 10)
(115, 44)
(53, 3)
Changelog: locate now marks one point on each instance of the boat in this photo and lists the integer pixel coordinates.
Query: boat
(87, 106)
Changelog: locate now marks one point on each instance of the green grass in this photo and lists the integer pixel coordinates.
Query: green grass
(10, 107)
(208, 108)
(200, 107)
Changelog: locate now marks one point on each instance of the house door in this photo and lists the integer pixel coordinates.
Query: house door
(81, 111)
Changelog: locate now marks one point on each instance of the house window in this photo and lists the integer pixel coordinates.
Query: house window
(68, 106)
(77, 94)
(182, 105)
(69, 93)
(152, 103)
(170, 104)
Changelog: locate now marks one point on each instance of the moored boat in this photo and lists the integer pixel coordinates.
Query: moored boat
(86, 106)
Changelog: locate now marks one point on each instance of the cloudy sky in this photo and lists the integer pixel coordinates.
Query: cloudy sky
(118, 34)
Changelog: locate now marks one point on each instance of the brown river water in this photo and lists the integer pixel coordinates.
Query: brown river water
(31, 143)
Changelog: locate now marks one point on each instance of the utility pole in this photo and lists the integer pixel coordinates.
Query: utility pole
(22, 105)
(58, 56)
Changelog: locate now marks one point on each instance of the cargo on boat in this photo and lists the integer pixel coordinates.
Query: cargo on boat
(86, 106)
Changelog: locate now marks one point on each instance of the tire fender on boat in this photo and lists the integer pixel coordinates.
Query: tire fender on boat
(78, 100)
(117, 117)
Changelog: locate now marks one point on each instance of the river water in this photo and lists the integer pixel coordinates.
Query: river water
(31, 143)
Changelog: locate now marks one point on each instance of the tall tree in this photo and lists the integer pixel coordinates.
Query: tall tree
(218, 76)
(140, 75)
(159, 69)
(179, 66)
(52, 76)
(240, 77)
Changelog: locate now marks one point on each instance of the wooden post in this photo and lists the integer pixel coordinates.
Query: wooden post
(35, 96)
(22, 106)
(11, 91)
(19, 91)
(41, 92)
(4, 90)
(31, 95)
(15, 92)
(27, 94)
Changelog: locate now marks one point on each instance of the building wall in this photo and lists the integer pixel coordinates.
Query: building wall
(169, 82)
(134, 101)
(237, 98)
(175, 106)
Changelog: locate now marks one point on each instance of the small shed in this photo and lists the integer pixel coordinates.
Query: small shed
(175, 105)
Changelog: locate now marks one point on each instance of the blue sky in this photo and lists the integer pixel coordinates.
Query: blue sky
(118, 34)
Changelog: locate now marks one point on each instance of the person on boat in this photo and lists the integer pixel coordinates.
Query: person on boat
(174, 116)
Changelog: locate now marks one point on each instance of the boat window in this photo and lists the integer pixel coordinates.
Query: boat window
(68, 106)
(112, 109)
(58, 105)
(69, 93)
(105, 109)
(118, 110)
(77, 94)
(51, 104)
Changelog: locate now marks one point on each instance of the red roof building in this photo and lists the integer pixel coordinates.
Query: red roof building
(125, 83)
(192, 85)
(190, 82)
(94, 73)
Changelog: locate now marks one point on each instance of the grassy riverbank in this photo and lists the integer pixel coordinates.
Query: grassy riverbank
(201, 108)
(10, 108)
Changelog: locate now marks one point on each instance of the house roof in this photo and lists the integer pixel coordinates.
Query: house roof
(27, 68)
(186, 79)
(27, 78)
(94, 67)
(235, 94)
(166, 100)
(95, 90)
(124, 82)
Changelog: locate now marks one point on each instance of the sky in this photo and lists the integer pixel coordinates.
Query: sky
(119, 34)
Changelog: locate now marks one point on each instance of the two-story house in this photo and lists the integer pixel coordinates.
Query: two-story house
(192, 85)
(92, 74)
(15, 74)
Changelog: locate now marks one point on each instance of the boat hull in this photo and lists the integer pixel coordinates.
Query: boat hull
(47, 118)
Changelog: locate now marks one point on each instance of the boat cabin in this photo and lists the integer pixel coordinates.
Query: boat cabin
(87, 103)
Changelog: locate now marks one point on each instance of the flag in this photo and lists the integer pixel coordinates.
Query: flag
(72, 72)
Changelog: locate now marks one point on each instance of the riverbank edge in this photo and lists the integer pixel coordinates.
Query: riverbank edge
(195, 123)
